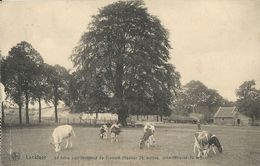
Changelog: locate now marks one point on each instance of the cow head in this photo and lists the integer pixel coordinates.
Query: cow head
(57, 146)
(141, 144)
(145, 138)
(214, 141)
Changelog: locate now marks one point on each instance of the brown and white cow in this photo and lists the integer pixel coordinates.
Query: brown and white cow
(204, 142)
(115, 130)
(148, 137)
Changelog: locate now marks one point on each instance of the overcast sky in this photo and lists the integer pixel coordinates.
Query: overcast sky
(214, 41)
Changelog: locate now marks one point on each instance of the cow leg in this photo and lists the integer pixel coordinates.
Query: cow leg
(116, 138)
(148, 144)
(112, 137)
(140, 144)
(195, 147)
(152, 140)
(67, 143)
(214, 150)
(199, 153)
(71, 142)
(205, 153)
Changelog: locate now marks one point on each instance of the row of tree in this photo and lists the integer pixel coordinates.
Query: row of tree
(195, 95)
(28, 79)
(121, 66)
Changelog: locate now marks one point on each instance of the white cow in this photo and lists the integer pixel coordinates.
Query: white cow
(148, 137)
(204, 142)
(59, 134)
(103, 131)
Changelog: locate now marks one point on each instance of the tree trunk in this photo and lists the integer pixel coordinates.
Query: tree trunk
(56, 103)
(122, 117)
(3, 114)
(96, 115)
(27, 107)
(253, 119)
(20, 104)
(20, 113)
(56, 112)
(121, 110)
(40, 110)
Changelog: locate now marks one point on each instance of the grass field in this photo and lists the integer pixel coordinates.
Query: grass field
(174, 146)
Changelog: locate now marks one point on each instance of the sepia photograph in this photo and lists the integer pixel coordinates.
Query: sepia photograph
(130, 82)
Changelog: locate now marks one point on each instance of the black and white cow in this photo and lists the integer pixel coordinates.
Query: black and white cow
(103, 131)
(204, 142)
(61, 133)
(148, 137)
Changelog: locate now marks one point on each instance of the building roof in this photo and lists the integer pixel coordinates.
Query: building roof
(226, 112)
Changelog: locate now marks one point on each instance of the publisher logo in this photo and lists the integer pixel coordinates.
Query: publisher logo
(16, 156)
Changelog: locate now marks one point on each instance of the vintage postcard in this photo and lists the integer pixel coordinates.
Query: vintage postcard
(130, 82)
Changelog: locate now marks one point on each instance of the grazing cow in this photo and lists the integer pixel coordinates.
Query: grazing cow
(148, 138)
(103, 131)
(59, 134)
(149, 126)
(204, 142)
(115, 130)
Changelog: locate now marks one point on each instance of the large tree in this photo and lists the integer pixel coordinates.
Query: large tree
(57, 80)
(20, 70)
(122, 63)
(195, 94)
(249, 99)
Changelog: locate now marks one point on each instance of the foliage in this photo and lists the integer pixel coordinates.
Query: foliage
(195, 94)
(19, 72)
(57, 80)
(122, 63)
(249, 99)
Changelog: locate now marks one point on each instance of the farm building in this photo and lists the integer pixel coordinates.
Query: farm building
(145, 118)
(230, 116)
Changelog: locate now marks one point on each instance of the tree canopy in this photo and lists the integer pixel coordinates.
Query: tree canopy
(19, 71)
(57, 79)
(28, 79)
(122, 63)
(195, 94)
